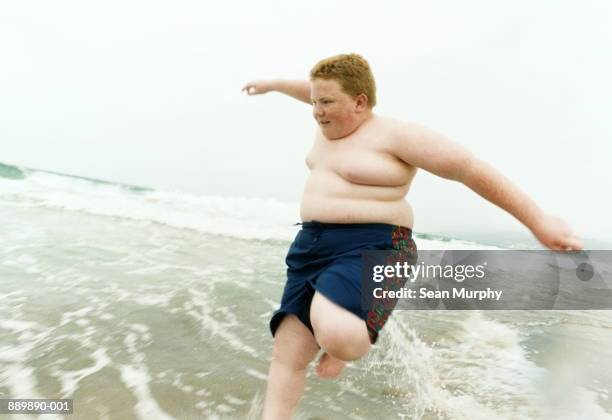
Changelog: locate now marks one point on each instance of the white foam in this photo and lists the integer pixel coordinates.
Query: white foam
(11, 294)
(137, 379)
(452, 244)
(12, 354)
(234, 400)
(141, 328)
(70, 379)
(203, 313)
(246, 218)
(255, 408)
(256, 374)
(136, 376)
(19, 378)
(481, 372)
(16, 325)
(421, 368)
(21, 381)
(68, 317)
(25, 262)
(153, 300)
(224, 408)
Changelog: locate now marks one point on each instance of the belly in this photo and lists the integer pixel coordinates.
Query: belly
(330, 198)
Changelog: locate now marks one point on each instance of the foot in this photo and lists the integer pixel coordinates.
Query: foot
(329, 367)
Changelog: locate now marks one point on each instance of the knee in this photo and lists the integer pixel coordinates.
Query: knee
(343, 344)
(285, 358)
(294, 346)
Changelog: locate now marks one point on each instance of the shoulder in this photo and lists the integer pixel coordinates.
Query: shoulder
(400, 136)
(398, 132)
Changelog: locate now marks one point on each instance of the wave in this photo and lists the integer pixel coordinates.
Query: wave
(241, 217)
(11, 172)
(247, 218)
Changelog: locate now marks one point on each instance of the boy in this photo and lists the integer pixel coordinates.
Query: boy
(361, 167)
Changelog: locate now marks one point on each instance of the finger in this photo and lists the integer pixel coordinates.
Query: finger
(570, 246)
(560, 246)
(574, 242)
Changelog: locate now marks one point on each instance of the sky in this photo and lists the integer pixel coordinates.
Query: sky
(148, 93)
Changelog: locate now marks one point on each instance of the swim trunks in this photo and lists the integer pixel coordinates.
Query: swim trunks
(326, 257)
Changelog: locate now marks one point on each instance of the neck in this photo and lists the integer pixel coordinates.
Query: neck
(365, 116)
(358, 122)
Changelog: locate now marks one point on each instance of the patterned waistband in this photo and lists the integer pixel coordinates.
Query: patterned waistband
(376, 226)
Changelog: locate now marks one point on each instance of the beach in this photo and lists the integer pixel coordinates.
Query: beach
(147, 304)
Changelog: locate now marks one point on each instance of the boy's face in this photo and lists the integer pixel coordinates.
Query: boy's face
(336, 112)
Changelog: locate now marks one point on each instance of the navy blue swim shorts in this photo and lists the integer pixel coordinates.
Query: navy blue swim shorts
(326, 257)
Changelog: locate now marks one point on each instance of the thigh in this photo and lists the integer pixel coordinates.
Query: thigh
(331, 321)
(294, 343)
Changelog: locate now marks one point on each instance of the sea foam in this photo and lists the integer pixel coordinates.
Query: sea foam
(241, 217)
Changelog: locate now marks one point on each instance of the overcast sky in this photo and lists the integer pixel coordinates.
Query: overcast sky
(148, 93)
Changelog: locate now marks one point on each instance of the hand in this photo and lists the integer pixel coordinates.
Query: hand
(554, 233)
(258, 87)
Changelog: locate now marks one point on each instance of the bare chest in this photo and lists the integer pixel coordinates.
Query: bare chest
(363, 158)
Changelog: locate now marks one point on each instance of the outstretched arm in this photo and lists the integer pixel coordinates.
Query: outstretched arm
(434, 153)
(298, 89)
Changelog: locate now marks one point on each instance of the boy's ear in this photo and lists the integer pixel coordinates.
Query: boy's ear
(361, 102)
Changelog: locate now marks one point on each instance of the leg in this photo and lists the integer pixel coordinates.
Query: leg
(342, 335)
(294, 348)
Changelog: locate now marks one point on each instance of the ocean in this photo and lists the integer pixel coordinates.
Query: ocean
(146, 304)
